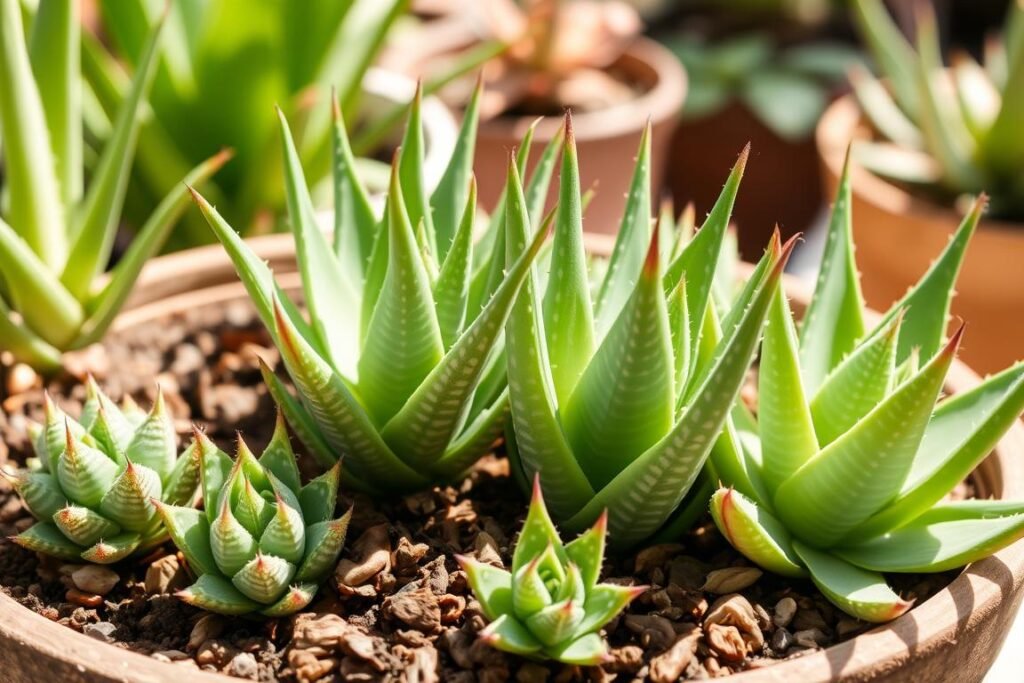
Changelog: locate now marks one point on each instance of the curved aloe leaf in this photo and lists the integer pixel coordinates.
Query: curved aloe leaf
(755, 533)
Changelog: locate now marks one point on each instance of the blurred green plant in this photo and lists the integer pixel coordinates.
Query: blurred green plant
(618, 402)
(93, 481)
(56, 235)
(400, 367)
(843, 474)
(222, 68)
(264, 542)
(947, 132)
(786, 88)
(550, 606)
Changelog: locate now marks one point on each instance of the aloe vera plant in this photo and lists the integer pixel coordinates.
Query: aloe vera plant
(550, 605)
(263, 543)
(952, 131)
(95, 481)
(399, 368)
(842, 474)
(56, 236)
(618, 403)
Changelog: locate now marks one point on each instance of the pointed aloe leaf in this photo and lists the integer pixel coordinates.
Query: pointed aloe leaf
(492, 586)
(83, 526)
(319, 497)
(644, 495)
(881, 110)
(627, 259)
(531, 594)
(285, 535)
(181, 485)
(324, 541)
(978, 97)
(927, 303)
(788, 439)
(46, 538)
(403, 340)
(1004, 143)
(556, 623)
(104, 307)
(423, 428)
(480, 436)
(832, 494)
(962, 432)
(279, 458)
(834, 319)
(41, 493)
(699, 258)
(538, 533)
(568, 314)
(410, 169)
(507, 634)
(340, 417)
(330, 296)
(539, 182)
(541, 445)
(214, 470)
(587, 650)
(932, 544)
(376, 270)
(216, 594)
(679, 321)
(114, 549)
(254, 274)
(860, 382)
(46, 307)
(625, 399)
(732, 464)
(299, 419)
(84, 473)
(295, 599)
(604, 602)
(129, 500)
(890, 49)
(55, 56)
(31, 184)
(451, 291)
(757, 534)
(232, 544)
(96, 226)
(586, 552)
(354, 221)
(453, 191)
(858, 592)
(154, 441)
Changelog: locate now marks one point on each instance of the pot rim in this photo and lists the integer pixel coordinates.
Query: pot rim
(969, 599)
(843, 123)
(662, 101)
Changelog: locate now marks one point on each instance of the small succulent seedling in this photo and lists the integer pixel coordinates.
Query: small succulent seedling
(550, 606)
(56, 237)
(95, 479)
(400, 367)
(952, 131)
(617, 403)
(842, 474)
(264, 543)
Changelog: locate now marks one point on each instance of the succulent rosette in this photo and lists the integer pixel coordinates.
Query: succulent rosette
(264, 542)
(843, 473)
(95, 480)
(550, 605)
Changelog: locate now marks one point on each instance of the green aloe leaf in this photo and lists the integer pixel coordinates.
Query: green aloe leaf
(114, 549)
(451, 198)
(354, 219)
(40, 491)
(568, 314)
(538, 534)
(556, 623)
(586, 553)
(154, 441)
(319, 497)
(492, 586)
(185, 479)
(627, 259)
(451, 291)
(129, 500)
(588, 650)
(46, 538)
(834, 320)
(299, 419)
(330, 296)
(295, 598)
(861, 593)
(757, 534)
(279, 458)
(604, 602)
(1004, 143)
(324, 541)
(403, 340)
(30, 179)
(962, 432)
(531, 594)
(96, 226)
(24, 345)
(625, 399)
(410, 169)
(830, 495)
(509, 635)
(788, 438)
(84, 473)
(644, 495)
(83, 526)
(216, 594)
(892, 51)
(881, 110)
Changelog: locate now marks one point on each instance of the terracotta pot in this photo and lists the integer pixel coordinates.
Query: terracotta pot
(606, 140)
(898, 235)
(955, 633)
(780, 185)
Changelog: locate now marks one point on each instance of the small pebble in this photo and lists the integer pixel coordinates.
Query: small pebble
(243, 665)
(84, 599)
(781, 640)
(784, 611)
(102, 631)
(92, 578)
(812, 637)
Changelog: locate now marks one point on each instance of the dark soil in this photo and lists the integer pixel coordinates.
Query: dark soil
(398, 607)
